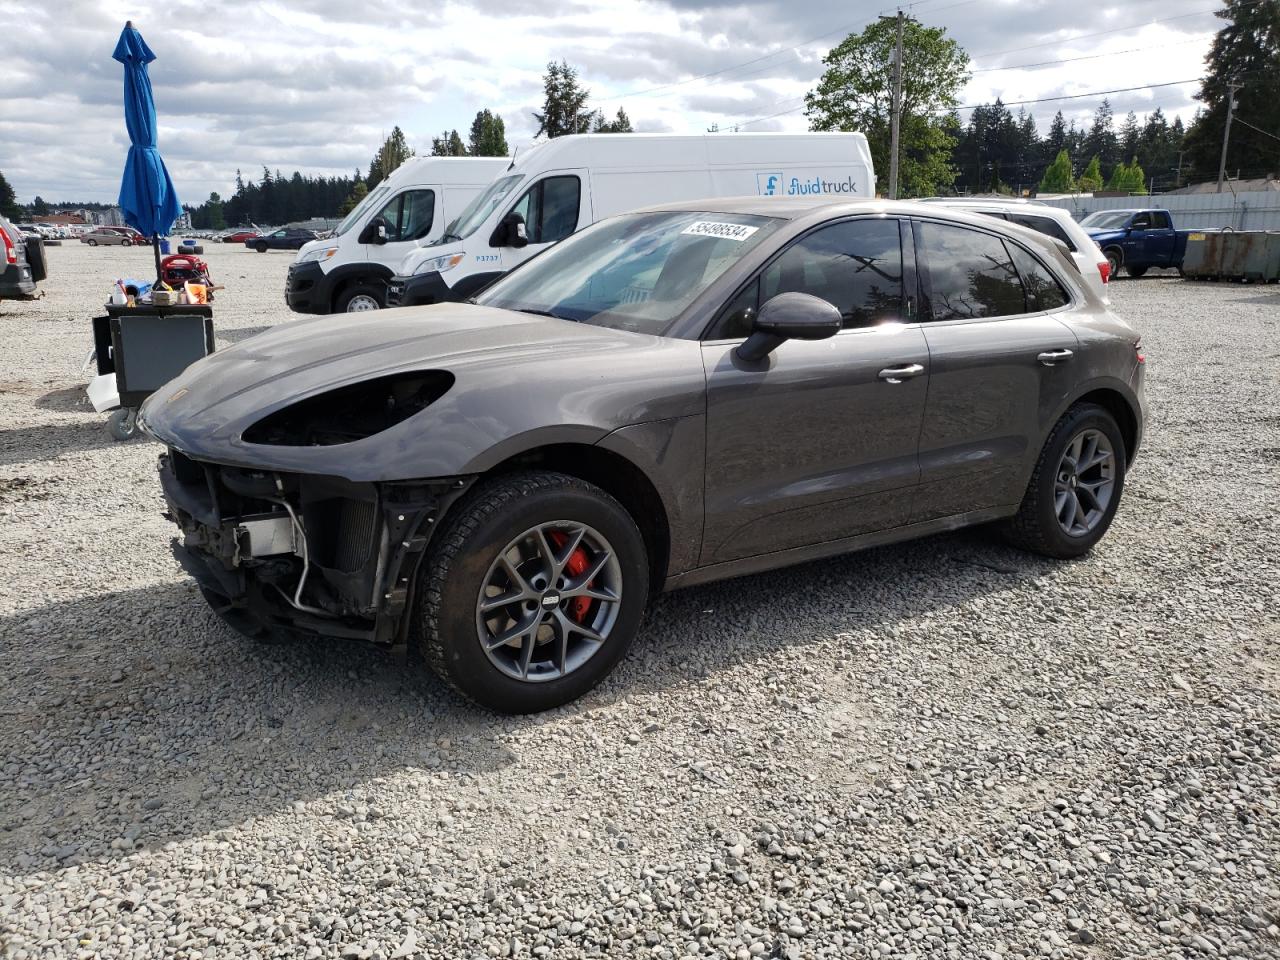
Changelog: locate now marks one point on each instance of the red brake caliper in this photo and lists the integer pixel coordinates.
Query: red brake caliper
(579, 607)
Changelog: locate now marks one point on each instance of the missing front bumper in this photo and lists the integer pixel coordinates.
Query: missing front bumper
(299, 552)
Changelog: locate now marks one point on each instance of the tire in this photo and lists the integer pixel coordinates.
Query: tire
(361, 297)
(260, 247)
(126, 242)
(92, 243)
(1135, 272)
(197, 249)
(123, 423)
(466, 559)
(1115, 258)
(1036, 526)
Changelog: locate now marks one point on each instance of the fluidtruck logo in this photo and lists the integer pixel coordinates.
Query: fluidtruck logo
(777, 184)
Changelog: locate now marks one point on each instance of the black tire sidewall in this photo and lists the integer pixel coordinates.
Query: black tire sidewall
(464, 660)
(1084, 418)
(1115, 260)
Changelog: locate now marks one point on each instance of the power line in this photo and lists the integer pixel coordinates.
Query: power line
(1257, 129)
(1092, 56)
(1078, 96)
(1103, 33)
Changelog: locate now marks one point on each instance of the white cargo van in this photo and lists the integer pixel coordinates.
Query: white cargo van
(350, 270)
(562, 185)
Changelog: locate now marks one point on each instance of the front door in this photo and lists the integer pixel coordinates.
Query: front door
(999, 367)
(553, 207)
(411, 218)
(817, 442)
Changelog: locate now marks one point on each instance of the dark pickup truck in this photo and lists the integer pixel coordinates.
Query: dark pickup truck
(1137, 239)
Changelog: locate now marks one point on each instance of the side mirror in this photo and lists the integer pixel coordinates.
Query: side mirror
(511, 232)
(375, 231)
(790, 316)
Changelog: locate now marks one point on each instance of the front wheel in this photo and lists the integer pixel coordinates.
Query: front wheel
(532, 592)
(126, 242)
(260, 247)
(359, 298)
(1076, 486)
(1114, 260)
(92, 243)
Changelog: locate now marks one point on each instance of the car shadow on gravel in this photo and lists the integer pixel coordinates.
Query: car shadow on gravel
(51, 440)
(181, 727)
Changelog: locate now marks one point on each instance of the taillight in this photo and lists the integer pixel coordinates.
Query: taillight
(1137, 351)
(10, 252)
(1104, 268)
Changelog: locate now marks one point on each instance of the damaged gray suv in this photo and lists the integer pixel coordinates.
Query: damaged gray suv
(669, 397)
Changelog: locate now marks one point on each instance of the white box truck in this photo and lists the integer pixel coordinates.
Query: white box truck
(350, 270)
(562, 185)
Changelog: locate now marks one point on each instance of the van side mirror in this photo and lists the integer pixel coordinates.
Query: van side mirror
(510, 232)
(790, 316)
(375, 231)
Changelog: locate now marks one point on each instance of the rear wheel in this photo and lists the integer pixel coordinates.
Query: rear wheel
(1076, 486)
(92, 243)
(532, 593)
(361, 297)
(1135, 272)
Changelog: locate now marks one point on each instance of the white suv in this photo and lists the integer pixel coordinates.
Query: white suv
(1051, 221)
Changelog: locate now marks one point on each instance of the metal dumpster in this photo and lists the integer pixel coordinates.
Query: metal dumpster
(1263, 263)
(1203, 258)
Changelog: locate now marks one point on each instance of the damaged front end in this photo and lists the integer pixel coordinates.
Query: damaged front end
(276, 551)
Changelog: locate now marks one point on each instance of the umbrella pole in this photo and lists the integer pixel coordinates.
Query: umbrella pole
(155, 244)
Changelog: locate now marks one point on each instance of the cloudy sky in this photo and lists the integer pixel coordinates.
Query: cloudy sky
(314, 85)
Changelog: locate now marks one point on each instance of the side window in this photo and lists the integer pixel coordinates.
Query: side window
(1046, 225)
(855, 265)
(1141, 221)
(738, 314)
(1043, 290)
(559, 214)
(1160, 221)
(967, 274)
(409, 215)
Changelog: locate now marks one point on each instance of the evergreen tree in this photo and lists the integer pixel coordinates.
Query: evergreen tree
(1101, 141)
(564, 108)
(448, 144)
(358, 193)
(619, 124)
(488, 135)
(1057, 177)
(855, 90)
(214, 217)
(1245, 50)
(39, 208)
(8, 200)
(1091, 180)
(1129, 134)
(393, 152)
(1057, 139)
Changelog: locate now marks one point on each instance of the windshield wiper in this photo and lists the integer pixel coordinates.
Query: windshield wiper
(448, 237)
(539, 313)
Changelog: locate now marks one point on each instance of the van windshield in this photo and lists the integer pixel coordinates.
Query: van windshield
(1106, 219)
(635, 272)
(354, 216)
(478, 210)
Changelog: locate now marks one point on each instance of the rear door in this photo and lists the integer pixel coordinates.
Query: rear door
(1160, 239)
(1000, 364)
(553, 207)
(817, 442)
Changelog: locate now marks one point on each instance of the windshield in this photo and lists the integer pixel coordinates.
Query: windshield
(1106, 219)
(369, 200)
(478, 210)
(636, 272)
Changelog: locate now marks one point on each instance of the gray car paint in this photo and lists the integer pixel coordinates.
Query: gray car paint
(681, 411)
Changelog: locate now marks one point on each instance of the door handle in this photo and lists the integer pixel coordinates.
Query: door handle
(898, 374)
(1051, 357)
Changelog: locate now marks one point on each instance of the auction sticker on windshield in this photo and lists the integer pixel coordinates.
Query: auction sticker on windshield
(725, 231)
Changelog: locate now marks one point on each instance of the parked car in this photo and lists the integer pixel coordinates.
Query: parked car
(106, 236)
(1137, 239)
(565, 184)
(1052, 222)
(22, 262)
(239, 236)
(669, 397)
(288, 238)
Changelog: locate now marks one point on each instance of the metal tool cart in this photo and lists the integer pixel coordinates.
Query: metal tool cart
(138, 350)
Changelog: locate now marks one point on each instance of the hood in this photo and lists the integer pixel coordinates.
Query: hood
(1108, 234)
(512, 373)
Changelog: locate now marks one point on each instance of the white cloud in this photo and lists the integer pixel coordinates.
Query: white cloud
(315, 85)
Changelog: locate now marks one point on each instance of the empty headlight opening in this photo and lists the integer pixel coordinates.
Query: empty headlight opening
(352, 412)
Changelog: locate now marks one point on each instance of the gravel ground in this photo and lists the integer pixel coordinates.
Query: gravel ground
(940, 749)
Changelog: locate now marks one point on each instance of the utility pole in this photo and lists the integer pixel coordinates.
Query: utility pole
(1226, 131)
(1177, 184)
(897, 113)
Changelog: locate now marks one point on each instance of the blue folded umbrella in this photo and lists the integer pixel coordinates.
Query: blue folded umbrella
(147, 197)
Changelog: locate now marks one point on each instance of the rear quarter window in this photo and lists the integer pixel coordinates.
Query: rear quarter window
(1046, 225)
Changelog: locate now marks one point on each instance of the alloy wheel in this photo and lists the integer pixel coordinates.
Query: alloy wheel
(549, 601)
(1084, 483)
